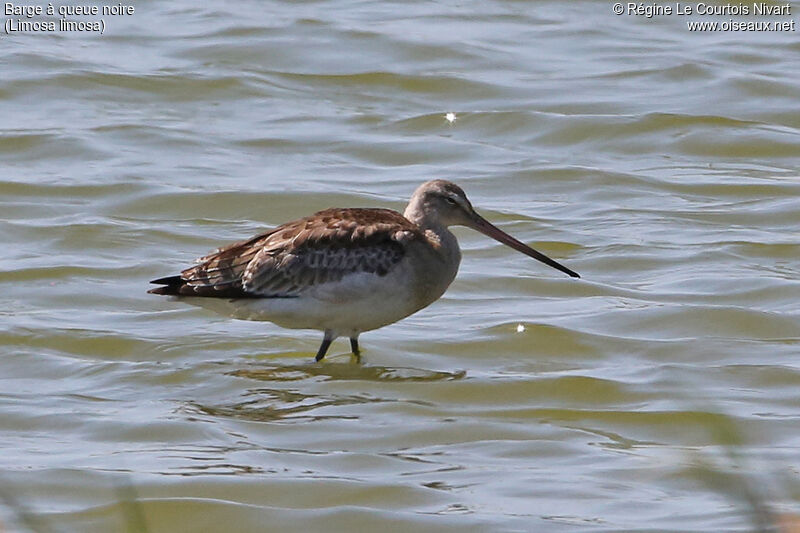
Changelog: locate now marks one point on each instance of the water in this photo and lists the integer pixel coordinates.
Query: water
(657, 393)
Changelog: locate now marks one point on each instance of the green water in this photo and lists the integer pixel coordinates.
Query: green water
(660, 392)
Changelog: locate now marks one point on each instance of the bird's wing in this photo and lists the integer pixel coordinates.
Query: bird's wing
(296, 256)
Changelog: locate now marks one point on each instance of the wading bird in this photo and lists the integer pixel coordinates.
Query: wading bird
(343, 271)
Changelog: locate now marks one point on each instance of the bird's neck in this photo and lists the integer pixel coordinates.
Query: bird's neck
(425, 219)
(441, 240)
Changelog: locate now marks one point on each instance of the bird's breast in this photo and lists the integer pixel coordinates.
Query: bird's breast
(434, 265)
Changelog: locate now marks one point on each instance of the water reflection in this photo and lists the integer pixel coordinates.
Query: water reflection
(274, 405)
(338, 371)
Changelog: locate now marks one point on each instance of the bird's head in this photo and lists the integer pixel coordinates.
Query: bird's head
(443, 203)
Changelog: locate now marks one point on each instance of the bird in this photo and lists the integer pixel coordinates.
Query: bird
(343, 271)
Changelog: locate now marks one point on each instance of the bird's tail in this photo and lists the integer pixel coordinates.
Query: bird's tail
(171, 285)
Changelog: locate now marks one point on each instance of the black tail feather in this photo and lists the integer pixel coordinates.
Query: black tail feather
(177, 286)
(172, 285)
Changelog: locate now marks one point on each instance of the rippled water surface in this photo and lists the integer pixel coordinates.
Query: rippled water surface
(660, 392)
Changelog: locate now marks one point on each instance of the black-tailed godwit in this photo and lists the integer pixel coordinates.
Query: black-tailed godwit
(343, 271)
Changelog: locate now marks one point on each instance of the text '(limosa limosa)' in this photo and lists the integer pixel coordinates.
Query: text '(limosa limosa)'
(343, 271)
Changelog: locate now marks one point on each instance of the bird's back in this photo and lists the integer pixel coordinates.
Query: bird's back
(296, 256)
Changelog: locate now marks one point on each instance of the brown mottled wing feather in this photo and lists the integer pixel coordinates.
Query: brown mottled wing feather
(218, 274)
(293, 257)
(326, 247)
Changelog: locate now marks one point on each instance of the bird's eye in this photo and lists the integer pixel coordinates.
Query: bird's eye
(449, 200)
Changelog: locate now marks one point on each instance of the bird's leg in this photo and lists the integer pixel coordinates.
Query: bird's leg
(354, 348)
(326, 342)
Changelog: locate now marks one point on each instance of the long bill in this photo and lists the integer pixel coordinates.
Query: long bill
(487, 228)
